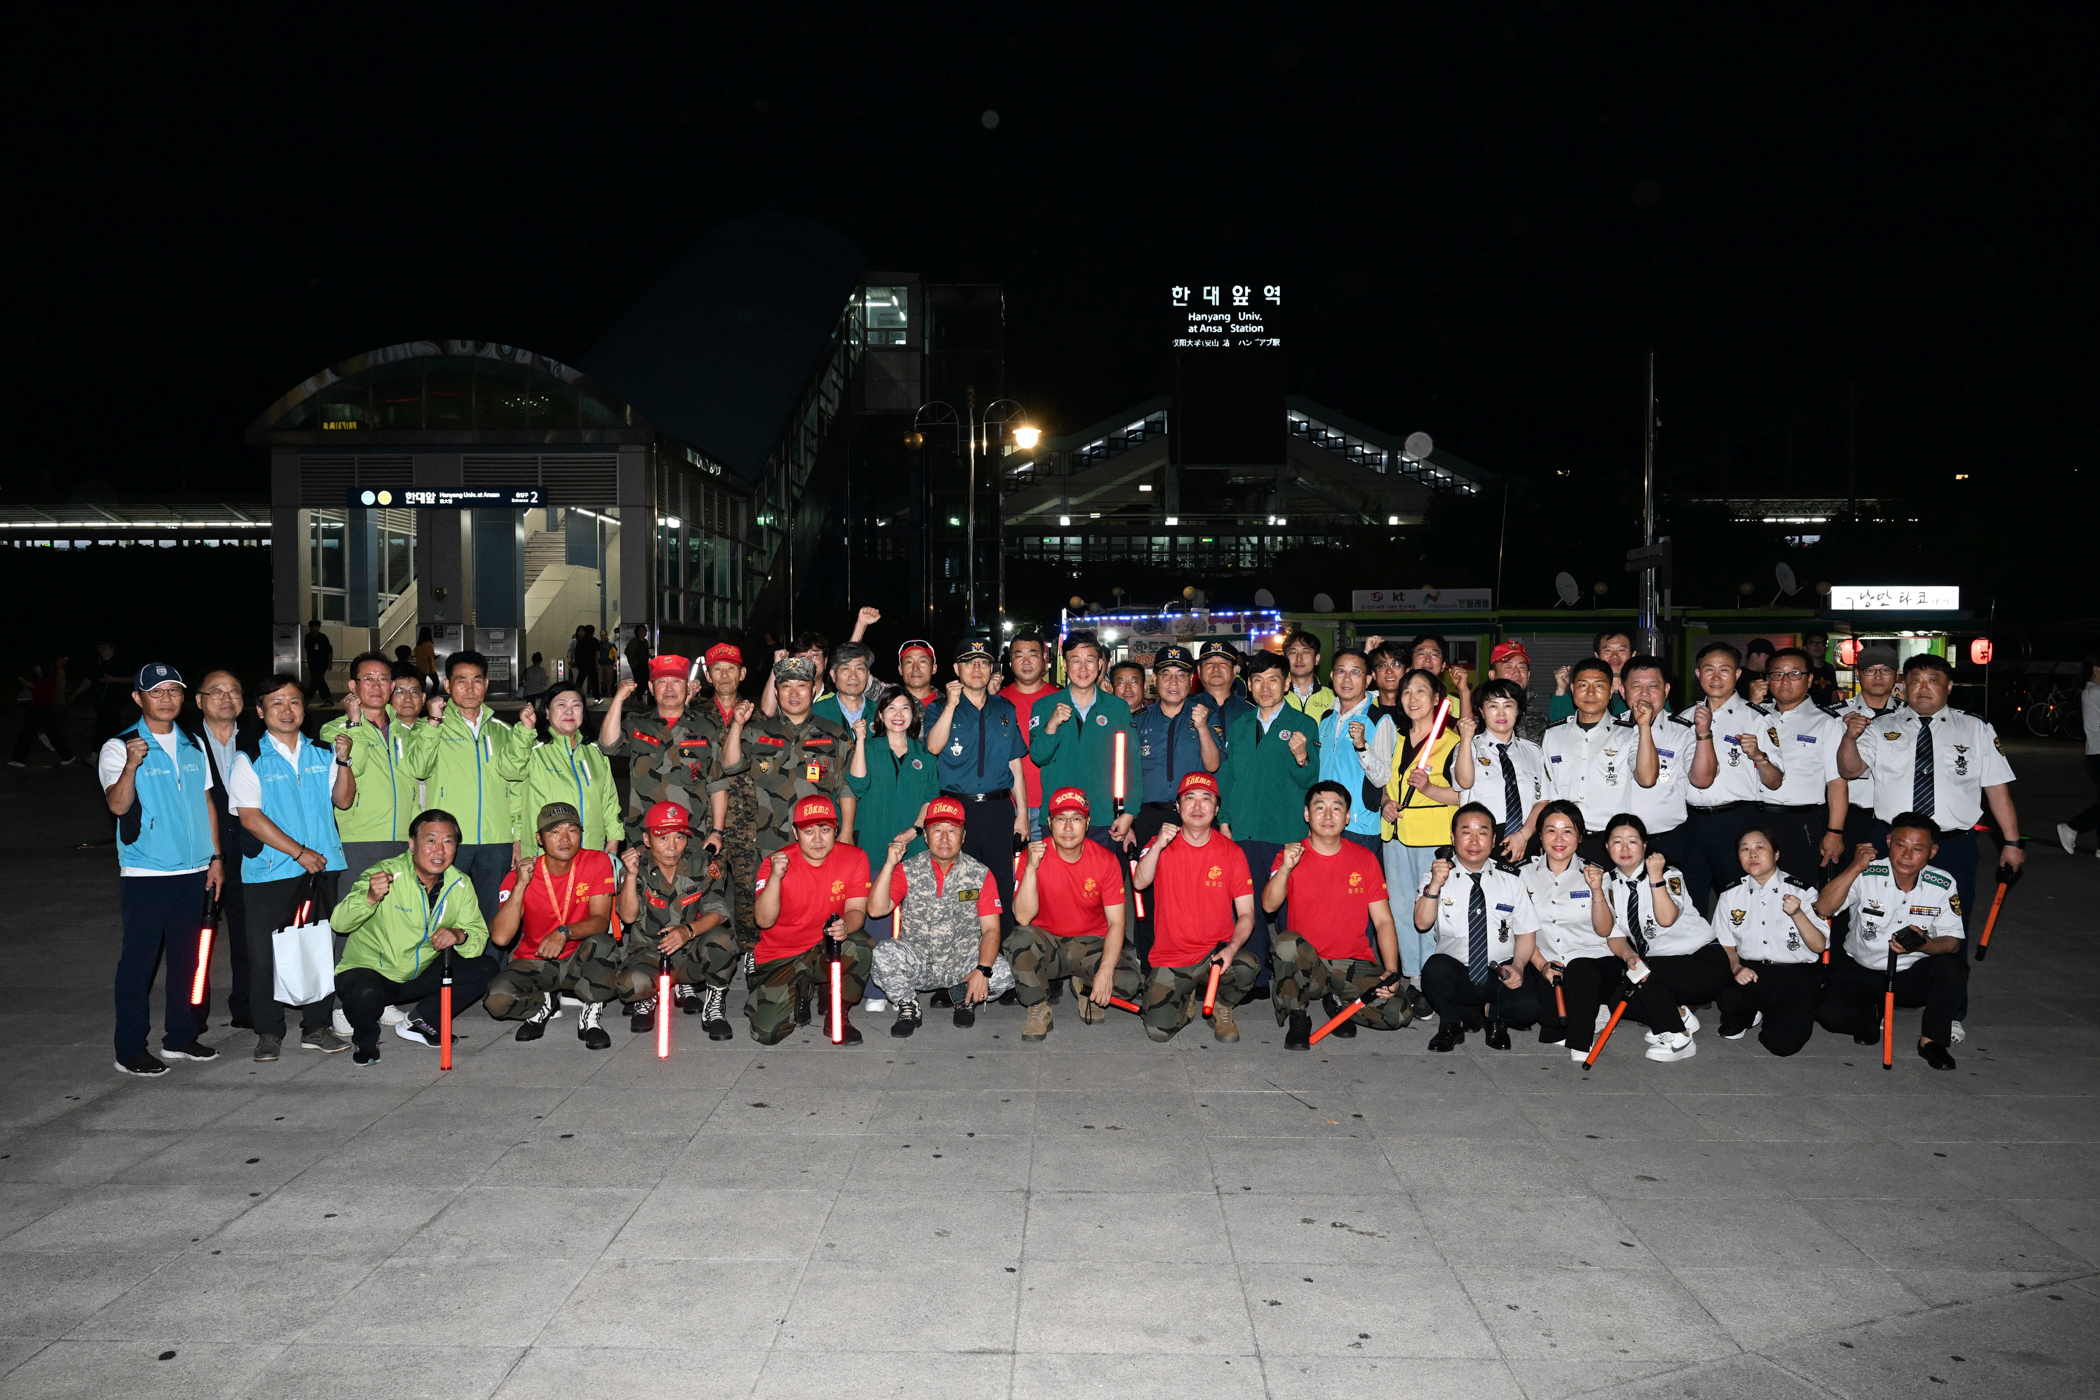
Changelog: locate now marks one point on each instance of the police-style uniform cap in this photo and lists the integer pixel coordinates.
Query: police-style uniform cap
(664, 816)
(156, 673)
(1868, 656)
(1173, 656)
(723, 651)
(973, 649)
(1068, 799)
(1265, 661)
(1215, 647)
(915, 644)
(946, 809)
(794, 668)
(815, 810)
(676, 667)
(556, 813)
(1197, 781)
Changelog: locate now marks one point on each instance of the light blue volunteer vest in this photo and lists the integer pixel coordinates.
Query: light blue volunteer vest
(169, 825)
(1341, 763)
(301, 801)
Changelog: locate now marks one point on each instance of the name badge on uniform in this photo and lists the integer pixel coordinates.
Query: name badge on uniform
(813, 771)
(1505, 908)
(1578, 894)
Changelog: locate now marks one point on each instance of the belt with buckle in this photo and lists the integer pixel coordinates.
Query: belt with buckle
(1718, 807)
(979, 796)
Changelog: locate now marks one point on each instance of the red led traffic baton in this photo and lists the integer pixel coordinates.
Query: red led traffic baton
(203, 955)
(837, 1027)
(1888, 1012)
(2007, 877)
(445, 1011)
(1136, 894)
(1121, 736)
(1436, 731)
(663, 1006)
(1609, 1027)
(1351, 1009)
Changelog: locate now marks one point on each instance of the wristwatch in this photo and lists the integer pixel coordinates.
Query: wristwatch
(985, 970)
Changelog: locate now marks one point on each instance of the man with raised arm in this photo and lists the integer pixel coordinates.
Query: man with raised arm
(1204, 900)
(1338, 903)
(1070, 919)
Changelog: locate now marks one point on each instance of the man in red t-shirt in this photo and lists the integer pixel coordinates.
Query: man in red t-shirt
(558, 911)
(1337, 896)
(1202, 914)
(807, 893)
(1069, 919)
(1028, 657)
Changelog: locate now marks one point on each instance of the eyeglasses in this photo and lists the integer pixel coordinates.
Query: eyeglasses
(1783, 675)
(219, 692)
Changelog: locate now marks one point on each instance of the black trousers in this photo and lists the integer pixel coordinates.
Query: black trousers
(1260, 856)
(1459, 1000)
(1585, 985)
(162, 913)
(1150, 818)
(1851, 999)
(988, 835)
(366, 993)
(1799, 832)
(272, 905)
(1689, 979)
(1710, 862)
(1786, 995)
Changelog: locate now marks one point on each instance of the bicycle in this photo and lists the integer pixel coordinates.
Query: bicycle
(2054, 714)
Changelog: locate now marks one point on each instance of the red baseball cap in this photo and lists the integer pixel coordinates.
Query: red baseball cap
(946, 809)
(816, 810)
(1069, 799)
(1505, 650)
(912, 646)
(1198, 781)
(676, 667)
(724, 651)
(667, 816)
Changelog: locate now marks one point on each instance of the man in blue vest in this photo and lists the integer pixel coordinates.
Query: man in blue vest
(286, 789)
(156, 782)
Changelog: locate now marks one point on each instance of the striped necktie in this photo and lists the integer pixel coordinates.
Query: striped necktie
(1633, 915)
(1512, 805)
(1477, 933)
(1921, 770)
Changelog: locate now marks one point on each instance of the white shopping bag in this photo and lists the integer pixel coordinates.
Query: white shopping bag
(305, 961)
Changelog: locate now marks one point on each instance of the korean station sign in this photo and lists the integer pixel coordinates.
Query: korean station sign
(448, 497)
(1226, 316)
(1896, 597)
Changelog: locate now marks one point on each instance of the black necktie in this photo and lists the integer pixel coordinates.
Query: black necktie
(1633, 916)
(1512, 805)
(1477, 933)
(1921, 770)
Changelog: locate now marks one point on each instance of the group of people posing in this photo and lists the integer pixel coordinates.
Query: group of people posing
(1171, 843)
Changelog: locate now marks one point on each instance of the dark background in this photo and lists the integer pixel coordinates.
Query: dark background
(1483, 219)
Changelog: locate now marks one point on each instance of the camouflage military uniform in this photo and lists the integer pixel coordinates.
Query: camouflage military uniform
(671, 761)
(775, 991)
(1299, 977)
(708, 960)
(1174, 995)
(788, 762)
(740, 839)
(1041, 958)
(941, 935)
(585, 972)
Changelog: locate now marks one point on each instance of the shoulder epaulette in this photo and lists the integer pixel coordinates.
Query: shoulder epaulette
(1506, 868)
(1879, 867)
(1934, 877)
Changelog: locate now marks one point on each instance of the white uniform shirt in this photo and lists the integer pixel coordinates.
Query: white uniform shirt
(1808, 737)
(1563, 905)
(1509, 911)
(1593, 768)
(244, 787)
(1661, 808)
(109, 766)
(1688, 935)
(1965, 761)
(1751, 919)
(1735, 776)
(1879, 909)
(1860, 791)
(1488, 787)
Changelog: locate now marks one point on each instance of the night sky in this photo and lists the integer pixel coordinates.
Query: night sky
(1482, 222)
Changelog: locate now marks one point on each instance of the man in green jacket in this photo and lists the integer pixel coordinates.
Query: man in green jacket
(407, 919)
(1072, 739)
(374, 826)
(1272, 757)
(473, 761)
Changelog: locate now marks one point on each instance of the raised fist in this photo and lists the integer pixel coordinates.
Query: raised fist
(1356, 732)
(342, 748)
(1747, 742)
(1703, 720)
(954, 692)
(377, 886)
(1292, 854)
(1562, 675)
(1058, 716)
(1439, 871)
(860, 730)
(870, 616)
(1856, 723)
(631, 858)
(1199, 713)
(625, 689)
(1791, 904)
(740, 715)
(1467, 728)
(1296, 740)
(900, 845)
(779, 863)
(1167, 833)
(1643, 713)
(1656, 865)
(134, 751)
(1593, 876)
(528, 717)
(1035, 853)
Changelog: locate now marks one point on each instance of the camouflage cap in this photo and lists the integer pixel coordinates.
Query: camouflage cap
(794, 668)
(555, 814)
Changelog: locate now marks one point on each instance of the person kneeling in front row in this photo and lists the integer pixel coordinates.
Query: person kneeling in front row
(558, 909)
(1336, 892)
(1768, 927)
(813, 890)
(675, 904)
(1486, 928)
(947, 937)
(1202, 916)
(1910, 902)
(403, 916)
(1070, 920)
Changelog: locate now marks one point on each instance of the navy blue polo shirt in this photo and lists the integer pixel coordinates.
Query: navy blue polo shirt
(1170, 750)
(1221, 716)
(981, 743)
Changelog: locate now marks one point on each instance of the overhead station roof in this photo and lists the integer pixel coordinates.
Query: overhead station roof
(718, 352)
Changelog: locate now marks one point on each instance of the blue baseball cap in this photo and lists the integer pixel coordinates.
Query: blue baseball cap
(156, 673)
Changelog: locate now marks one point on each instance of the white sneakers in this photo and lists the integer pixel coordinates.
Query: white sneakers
(1755, 1022)
(1958, 1035)
(1691, 1026)
(1673, 1047)
(342, 1023)
(873, 1004)
(393, 1016)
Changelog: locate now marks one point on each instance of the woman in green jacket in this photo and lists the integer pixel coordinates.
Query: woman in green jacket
(892, 777)
(563, 768)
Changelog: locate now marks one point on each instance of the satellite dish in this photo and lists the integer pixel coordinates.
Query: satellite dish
(1787, 583)
(1564, 584)
(1322, 603)
(1263, 598)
